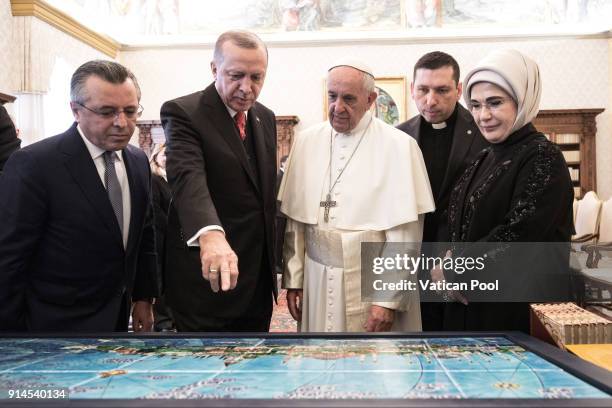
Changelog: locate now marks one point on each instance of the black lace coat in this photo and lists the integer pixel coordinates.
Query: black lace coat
(515, 191)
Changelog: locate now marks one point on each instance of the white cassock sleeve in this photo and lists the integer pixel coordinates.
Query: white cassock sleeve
(411, 232)
(294, 254)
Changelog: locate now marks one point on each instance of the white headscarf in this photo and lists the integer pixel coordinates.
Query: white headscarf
(514, 72)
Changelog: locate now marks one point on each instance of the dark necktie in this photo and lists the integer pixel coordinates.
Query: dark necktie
(112, 186)
(240, 119)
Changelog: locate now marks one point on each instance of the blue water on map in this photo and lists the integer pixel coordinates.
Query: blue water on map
(285, 368)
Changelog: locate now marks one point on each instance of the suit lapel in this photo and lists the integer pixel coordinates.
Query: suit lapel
(228, 132)
(82, 168)
(261, 150)
(138, 194)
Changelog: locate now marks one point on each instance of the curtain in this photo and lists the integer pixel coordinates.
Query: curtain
(29, 115)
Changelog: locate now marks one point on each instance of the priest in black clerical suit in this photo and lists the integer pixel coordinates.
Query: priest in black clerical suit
(447, 149)
(449, 140)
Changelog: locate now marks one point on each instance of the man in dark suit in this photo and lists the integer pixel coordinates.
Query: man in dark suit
(76, 243)
(449, 140)
(9, 142)
(221, 168)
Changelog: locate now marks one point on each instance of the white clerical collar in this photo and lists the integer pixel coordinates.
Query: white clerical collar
(438, 126)
(94, 150)
(363, 123)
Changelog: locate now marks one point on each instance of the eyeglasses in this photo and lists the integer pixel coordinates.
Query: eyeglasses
(112, 113)
(492, 105)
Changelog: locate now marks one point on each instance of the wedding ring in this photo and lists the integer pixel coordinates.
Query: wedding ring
(212, 270)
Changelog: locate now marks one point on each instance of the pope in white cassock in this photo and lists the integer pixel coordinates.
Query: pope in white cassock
(353, 179)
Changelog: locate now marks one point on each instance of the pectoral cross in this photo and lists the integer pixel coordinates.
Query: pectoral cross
(328, 203)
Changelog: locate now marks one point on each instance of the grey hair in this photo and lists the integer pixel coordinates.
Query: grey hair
(242, 39)
(109, 71)
(367, 80)
(368, 83)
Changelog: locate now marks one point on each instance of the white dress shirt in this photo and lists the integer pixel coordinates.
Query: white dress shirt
(98, 159)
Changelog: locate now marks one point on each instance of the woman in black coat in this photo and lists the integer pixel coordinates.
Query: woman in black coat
(516, 191)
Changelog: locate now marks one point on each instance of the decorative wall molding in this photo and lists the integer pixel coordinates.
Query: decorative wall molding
(65, 23)
(6, 98)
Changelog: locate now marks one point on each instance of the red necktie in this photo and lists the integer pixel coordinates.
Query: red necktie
(240, 119)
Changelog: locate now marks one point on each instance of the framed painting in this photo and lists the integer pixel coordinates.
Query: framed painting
(390, 106)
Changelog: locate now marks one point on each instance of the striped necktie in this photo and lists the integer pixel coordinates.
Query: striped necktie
(112, 186)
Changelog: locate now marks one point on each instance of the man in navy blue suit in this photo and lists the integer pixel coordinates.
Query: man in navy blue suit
(76, 242)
